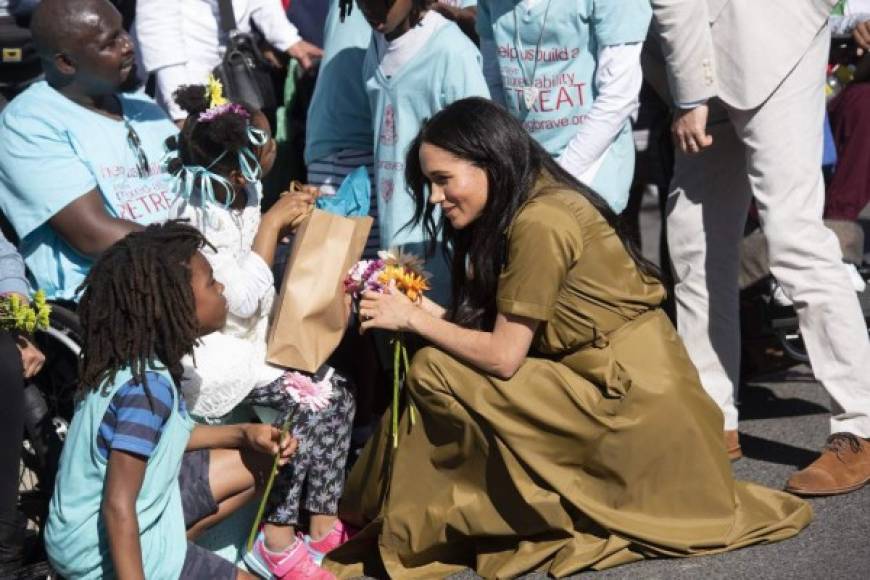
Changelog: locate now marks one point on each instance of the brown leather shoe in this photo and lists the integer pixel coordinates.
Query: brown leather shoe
(732, 445)
(843, 466)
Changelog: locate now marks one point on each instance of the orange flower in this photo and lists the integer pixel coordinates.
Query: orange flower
(410, 283)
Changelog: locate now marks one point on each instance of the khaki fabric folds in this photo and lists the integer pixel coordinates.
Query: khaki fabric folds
(310, 315)
(603, 449)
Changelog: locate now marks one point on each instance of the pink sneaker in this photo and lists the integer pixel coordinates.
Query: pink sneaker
(294, 563)
(339, 534)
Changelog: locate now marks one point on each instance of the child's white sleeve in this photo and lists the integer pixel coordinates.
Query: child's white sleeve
(246, 281)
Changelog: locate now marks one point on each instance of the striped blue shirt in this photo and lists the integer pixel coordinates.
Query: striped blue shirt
(136, 416)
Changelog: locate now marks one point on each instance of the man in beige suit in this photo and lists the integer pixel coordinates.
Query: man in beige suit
(747, 78)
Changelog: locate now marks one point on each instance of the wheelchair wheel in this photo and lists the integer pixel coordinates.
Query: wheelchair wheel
(788, 332)
(48, 409)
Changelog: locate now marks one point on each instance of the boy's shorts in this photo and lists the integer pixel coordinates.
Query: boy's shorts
(197, 503)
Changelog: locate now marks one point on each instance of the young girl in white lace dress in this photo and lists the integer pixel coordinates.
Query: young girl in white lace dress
(218, 160)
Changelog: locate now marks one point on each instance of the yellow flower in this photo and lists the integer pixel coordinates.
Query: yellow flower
(215, 92)
(409, 283)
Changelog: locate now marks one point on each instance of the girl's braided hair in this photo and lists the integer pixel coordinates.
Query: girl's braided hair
(203, 142)
(137, 307)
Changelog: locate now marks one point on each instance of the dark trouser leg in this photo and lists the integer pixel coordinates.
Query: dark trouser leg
(849, 190)
(11, 433)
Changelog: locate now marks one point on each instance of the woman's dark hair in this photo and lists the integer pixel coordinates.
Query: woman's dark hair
(137, 307)
(202, 142)
(483, 133)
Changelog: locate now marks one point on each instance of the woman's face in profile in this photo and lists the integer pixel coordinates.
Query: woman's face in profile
(458, 186)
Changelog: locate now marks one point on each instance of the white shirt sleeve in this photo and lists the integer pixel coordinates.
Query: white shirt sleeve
(271, 20)
(169, 78)
(159, 33)
(246, 281)
(618, 81)
(491, 69)
(842, 26)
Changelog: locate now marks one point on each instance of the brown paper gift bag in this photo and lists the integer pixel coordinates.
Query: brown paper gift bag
(309, 317)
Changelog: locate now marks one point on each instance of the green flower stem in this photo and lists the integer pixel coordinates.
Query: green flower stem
(285, 428)
(405, 368)
(397, 353)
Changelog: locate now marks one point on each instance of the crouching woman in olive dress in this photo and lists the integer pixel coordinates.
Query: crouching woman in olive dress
(560, 424)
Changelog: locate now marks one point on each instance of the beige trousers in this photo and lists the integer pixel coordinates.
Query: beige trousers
(772, 154)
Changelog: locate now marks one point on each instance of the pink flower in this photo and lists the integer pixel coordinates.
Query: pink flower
(310, 395)
(215, 112)
(363, 277)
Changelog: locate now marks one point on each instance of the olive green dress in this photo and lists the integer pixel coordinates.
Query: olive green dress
(602, 449)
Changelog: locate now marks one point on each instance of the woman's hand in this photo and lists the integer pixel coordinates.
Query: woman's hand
(32, 358)
(265, 439)
(391, 310)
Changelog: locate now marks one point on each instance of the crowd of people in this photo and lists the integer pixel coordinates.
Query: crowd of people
(551, 405)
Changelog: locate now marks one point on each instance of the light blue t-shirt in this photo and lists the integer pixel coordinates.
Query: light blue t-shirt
(339, 117)
(53, 151)
(564, 75)
(447, 69)
(75, 534)
(460, 3)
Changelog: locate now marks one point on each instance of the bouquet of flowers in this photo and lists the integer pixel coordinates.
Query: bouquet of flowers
(406, 273)
(310, 396)
(18, 316)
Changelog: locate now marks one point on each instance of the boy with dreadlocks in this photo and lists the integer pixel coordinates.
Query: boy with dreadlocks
(135, 470)
(219, 158)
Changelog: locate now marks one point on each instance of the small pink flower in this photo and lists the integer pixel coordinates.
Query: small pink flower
(310, 395)
(215, 112)
(363, 277)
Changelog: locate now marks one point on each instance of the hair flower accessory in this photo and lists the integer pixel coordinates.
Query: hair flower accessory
(214, 90)
(215, 112)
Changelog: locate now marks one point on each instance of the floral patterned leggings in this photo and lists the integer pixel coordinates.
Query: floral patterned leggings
(313, 480)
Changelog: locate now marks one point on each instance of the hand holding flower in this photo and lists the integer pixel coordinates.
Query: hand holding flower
(267, 439)
(387, 310)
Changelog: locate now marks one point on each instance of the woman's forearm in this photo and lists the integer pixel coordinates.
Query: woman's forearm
(433, 308)
(499, 353)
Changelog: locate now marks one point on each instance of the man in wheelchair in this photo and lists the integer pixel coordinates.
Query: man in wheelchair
(80, 151)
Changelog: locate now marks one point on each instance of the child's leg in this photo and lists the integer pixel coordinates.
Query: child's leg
(330, 445)
(200, 564)
(282, 511)
(215, 483)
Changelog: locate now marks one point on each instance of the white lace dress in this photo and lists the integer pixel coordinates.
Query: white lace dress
(230, 363)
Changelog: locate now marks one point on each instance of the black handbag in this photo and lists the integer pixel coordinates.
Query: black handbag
(244, 71)
(19, 62)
